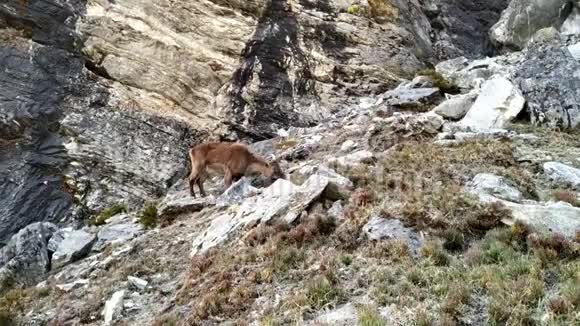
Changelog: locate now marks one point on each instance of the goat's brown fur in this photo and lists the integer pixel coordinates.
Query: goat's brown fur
(233, 159)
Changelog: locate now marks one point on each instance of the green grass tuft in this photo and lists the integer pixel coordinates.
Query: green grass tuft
(149, 216)
(369, 316)
(108, 213)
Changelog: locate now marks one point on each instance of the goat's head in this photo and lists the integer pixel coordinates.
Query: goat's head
(277, 172)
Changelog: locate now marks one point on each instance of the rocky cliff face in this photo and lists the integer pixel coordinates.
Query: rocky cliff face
(400, 181)
(102, 98)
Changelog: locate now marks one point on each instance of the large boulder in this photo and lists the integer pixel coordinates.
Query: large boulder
(282, 202)
(461, 28)
(455, 107)
(410, 98)
(379, 228)
(113, 308)
(523, 18)
(25, 260)
(562, 174)
(116, 233)
(548, 218)
(549, 79)
(69, 246)
(561, 218)
(498, 104)
(339, 186)
(494, 185)
(182, 202)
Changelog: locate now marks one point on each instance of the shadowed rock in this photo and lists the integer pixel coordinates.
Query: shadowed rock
(24, 260)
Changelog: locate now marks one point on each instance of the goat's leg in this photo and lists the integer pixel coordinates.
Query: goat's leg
(227, 179)
(192, 181)
(200, 182)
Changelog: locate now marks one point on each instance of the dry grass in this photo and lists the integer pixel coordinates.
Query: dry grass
(225, 283)
(16, 302)
(383, 10)
(422, 185)
(507, 268)
(369, 316)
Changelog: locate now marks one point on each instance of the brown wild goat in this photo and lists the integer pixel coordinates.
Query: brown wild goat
(233, 159)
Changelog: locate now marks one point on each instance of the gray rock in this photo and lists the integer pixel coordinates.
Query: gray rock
(473, 74)
(118, 218)
(74, 285)
(356, 158)
(339, 187)
(116, 233)
(523, 18)
(461, 28)
(575, 51)
(182, 202)
(341, 316)
(24, 260)
(378, 228)
(549, 79)
(410, 97)
(563, 174)
(348, 145)
(572, 24)
(236, 193)
(418, 82)
(547, 218)
(137, 283)
(336, 210)
(74, 246)
(113, 308)
(281, 202)
(57, 238)
(498, 103)
(494, 185)
(398, 128)
(456, 107)
(456, 137)
(558, 217)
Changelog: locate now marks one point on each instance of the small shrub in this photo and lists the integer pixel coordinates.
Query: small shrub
(369, 316)
(436, 254)
(149, 216)
(108, 213)
(362, 197)
(454, 239)
(353, 9)
(321, 293)
(287, 258)
(457, 296)
(347, 236)
(286, 144)
(346, 260)
(560, 305)
(423, 319)
(551, 248)
(396, 250)
(7, 319)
